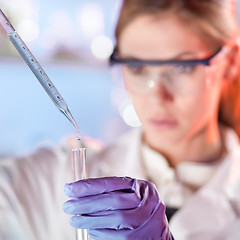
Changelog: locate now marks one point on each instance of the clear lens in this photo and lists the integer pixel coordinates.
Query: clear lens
(177, 79)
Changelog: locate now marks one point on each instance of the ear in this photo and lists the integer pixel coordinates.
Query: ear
(232, 64)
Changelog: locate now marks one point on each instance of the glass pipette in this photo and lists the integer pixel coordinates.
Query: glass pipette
(37, 70)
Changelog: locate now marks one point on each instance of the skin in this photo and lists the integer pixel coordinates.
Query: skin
(181, 127)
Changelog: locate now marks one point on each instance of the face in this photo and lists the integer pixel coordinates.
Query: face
(170, 117)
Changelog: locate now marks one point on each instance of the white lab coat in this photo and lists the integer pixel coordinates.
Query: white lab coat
(31, 192)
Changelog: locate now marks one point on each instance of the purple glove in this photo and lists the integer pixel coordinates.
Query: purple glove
(117, 208)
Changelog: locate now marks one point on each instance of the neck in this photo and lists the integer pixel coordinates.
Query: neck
(205, 146)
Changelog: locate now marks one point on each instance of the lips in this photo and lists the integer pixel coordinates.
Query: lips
(163, 123)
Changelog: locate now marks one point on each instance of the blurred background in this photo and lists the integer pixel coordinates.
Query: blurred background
(72, 41)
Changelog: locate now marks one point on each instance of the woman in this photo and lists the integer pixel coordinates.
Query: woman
(179, 60)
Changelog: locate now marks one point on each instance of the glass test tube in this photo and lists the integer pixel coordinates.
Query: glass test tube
(80, 172)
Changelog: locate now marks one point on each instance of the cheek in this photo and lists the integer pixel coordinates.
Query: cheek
(141, 106)
(191, 109)
(196, 111)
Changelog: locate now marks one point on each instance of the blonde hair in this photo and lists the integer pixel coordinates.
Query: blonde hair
(213, 20)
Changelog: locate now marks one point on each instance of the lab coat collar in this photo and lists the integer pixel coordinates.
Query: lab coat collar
(232, 184)
(217, 202)
(226, 178)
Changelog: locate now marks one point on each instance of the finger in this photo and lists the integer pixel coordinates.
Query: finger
(109, 234)
(148, 230)
(119, 219)
(102, 202)
(109, 220)
(94, 186)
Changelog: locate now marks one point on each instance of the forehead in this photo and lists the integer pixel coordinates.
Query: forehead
(164, 36)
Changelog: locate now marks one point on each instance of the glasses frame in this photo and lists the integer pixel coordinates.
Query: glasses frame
(116, 60)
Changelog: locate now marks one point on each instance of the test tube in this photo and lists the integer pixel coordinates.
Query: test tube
(80, 172)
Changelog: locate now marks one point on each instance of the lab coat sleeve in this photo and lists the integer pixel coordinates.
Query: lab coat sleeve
(31, 192)
(232, 232)
(31, 196)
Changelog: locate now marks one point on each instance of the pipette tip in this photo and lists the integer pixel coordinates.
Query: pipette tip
(78, 134)
(69, 116)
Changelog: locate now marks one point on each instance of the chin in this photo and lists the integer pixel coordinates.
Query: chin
(162, 138)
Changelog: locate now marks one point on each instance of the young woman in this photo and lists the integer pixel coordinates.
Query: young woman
(179, 60)
(176, 176)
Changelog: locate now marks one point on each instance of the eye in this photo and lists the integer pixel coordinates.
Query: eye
(137, 70)
(183, 69)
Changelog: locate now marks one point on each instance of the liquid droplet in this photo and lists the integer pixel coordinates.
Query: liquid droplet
(78, 137)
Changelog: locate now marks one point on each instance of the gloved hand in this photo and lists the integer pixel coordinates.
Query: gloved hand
(117, 208)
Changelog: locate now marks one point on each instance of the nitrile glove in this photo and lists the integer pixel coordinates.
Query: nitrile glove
(117, 208)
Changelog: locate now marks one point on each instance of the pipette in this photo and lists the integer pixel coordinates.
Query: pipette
(37, 70)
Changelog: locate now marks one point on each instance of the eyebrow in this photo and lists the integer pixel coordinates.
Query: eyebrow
(177, 57)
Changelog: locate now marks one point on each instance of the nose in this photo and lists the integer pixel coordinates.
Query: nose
(159, 88)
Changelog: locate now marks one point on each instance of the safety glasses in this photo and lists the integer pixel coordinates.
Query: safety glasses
(177, 76)
(115, 59)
